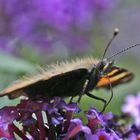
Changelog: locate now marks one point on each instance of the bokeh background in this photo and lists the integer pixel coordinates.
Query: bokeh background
(35, 33)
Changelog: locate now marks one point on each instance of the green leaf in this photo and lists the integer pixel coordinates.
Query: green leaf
(9, 63)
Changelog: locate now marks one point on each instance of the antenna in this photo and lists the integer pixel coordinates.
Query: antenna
(124, 50)
(116, 31)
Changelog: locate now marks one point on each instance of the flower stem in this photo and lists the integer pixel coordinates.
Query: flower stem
(14, 129)
(41, 125)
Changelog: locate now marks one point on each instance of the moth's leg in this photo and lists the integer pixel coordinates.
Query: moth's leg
(79, 98)
(71, 98)
(98, 98)
(86, 83)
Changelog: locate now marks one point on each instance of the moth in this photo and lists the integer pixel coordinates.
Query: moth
(70, 79)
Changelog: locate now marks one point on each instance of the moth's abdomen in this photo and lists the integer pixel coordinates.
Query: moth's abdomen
(115, 76)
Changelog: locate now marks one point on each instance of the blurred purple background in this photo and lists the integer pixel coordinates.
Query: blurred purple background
(51, 26)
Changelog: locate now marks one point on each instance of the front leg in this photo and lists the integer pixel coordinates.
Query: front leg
(78, 100)
(98, 98)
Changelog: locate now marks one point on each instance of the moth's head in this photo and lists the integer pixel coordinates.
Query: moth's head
(104, 66)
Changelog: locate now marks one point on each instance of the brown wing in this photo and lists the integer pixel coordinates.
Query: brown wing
(116, 76)
(51, 71)
(19, 85)
(65, 84)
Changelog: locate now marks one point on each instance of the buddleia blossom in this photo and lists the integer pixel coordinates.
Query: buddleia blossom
(43, 24)
(132, 107)
(61, 122)
(57, 120)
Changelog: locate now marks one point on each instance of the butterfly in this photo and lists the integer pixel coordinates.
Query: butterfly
(70, 79)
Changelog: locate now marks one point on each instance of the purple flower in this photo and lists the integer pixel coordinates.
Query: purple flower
(133, 136)
(7, 116)
(95, 119)
(75, 128)
(132, 106)
(133, 133)
(78, 13)
(92, 131)
(101, 134)
(43, 24)
(58, 114)
(61, 123)
(55, 119)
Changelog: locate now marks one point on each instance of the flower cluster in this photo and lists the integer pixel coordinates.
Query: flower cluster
(132, 107)
(49, 22)
(60, 123)
(56, 120)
